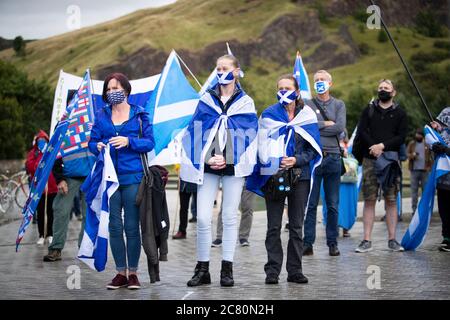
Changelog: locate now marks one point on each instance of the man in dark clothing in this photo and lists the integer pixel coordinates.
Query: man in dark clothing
(382, 128)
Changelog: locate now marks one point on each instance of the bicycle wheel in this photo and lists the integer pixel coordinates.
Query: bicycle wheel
(6, 195)
(21, 194)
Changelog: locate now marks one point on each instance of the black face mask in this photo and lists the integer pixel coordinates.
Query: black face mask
(419, 139)
(384, 96)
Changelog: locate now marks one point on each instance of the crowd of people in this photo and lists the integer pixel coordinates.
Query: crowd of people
(287, 155)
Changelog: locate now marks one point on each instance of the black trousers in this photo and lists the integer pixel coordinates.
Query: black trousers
(41, 213)
(296, 212)
(184, 208)
(444, 210)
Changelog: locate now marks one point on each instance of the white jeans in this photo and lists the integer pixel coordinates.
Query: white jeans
(206, 194)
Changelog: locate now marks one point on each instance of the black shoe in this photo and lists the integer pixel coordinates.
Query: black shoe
(53, 255)
(226, 274)
(201, 274)
(297, 278)
(193, 219)
(308, 251)
(334, 251)
(272, 278)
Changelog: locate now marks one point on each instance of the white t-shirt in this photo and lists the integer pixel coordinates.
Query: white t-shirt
(224, 99)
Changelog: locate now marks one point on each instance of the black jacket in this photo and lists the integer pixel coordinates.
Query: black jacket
(154, 218)
(387, 126)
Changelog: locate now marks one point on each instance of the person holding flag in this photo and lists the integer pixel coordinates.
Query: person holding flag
(71, 167)
(128, 131)
(442, 125)
(219, 145)
(45, 206)
(288, 153)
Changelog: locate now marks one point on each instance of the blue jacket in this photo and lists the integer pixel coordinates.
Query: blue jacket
(127, 161)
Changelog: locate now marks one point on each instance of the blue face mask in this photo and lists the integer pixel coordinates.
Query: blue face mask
(225, 77)
(285, 97)
(41, 144)
(321, 86)
(116, 97)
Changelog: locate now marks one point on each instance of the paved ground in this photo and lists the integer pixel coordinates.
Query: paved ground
(411, 275)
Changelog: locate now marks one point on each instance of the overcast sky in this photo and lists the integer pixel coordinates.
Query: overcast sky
(39, 19)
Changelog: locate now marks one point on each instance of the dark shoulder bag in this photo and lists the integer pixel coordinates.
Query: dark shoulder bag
(145, 165)
(358, 143)
(281, 184)
(324, 116)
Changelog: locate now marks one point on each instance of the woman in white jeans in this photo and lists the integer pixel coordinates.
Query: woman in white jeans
(220, 145)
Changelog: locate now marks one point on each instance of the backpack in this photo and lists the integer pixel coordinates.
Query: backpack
(358, 144)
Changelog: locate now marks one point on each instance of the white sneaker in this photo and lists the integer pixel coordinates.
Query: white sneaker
(40, 242)
(49, 239)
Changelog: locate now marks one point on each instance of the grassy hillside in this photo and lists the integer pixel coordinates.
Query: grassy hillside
(195, 24)
(188, 24)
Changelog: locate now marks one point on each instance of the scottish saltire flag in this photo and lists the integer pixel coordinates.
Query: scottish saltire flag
(81, 118)
(171, 107)
(242, 123)
(99, 186)
(39, 181)
(276, 139)
(212, 79)
(302, 77)
(416, 232)
(141, 90)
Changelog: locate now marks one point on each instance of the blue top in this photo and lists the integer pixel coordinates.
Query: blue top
(127, 161)
(118, 127)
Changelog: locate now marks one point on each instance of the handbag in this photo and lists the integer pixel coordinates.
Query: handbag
(351, 170)
(147, 168)
(324, 116)
(281, 184)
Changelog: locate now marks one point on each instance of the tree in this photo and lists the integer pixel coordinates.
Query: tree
(25, 107)
(428, 24)
(357, 100)
(19, 46)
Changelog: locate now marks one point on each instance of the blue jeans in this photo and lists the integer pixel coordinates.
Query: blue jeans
(125, 197)
(330, 172)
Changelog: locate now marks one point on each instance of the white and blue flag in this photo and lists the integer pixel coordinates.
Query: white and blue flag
(171, 106)
(302, 77)
(276, 139)
(141, 90)
(416, 232)
(99, 186)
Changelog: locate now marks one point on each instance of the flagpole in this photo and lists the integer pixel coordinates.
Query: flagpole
(404, 64)
(45, 212)
(189, 70)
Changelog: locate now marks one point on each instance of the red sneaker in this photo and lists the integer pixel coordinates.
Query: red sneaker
(119, 281)
(179, 235)
(133, 282)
